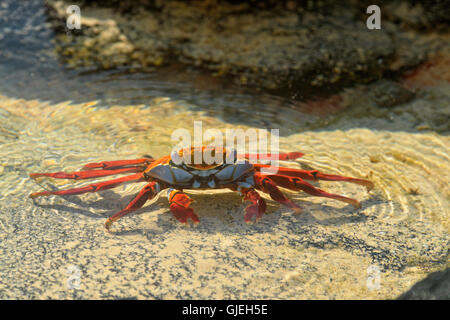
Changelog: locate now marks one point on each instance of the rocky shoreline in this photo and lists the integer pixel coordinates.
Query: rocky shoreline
(284, 47)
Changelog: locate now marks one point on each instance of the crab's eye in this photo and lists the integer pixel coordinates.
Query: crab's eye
(176, 158)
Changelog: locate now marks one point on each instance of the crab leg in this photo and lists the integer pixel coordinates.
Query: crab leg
(297, 184)
(179, 205)
(108, 165)
(146, 193)
(78, 175)
(272, 156)
(265, 184)
(92, 187)
(315, 175)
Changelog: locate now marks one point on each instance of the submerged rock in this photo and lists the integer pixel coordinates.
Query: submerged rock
(387, 93)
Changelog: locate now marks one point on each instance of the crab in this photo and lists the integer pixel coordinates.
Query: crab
(178, 171)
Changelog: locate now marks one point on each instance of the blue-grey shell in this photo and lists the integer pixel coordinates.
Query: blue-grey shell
(205, 179)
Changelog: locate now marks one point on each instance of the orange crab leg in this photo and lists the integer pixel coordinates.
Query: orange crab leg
(92, 187)
(179, 205)
(272, 156)
(297, 184)
(265, 184)
(108, 165)
(314, 175)
(78, 175)
(146, 193)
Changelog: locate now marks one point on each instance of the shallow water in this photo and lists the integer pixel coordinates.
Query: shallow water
(54, 119)
(30, 69)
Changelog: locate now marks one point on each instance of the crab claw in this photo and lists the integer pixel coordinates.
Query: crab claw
(182, 214)
(256, 208)
(253, 210)
(179, 205)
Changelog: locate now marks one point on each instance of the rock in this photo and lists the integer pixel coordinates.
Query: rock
(388, 93)
(415, 14)
(283, 47)
(434, 287)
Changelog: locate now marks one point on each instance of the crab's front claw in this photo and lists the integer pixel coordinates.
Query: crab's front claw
(253, 210)
(182, 214)
(179, 205)
(256, 209)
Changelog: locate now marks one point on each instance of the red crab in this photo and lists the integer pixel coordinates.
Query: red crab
(178, 171)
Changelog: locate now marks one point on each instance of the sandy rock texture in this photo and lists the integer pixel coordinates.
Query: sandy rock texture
(284, 46)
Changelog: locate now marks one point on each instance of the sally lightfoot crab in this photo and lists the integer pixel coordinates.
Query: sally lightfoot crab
(180, 171)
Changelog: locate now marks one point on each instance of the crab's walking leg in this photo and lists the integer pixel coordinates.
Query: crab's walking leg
(297, 184)
(314, 175)
(146, 193)
(78, 175)
(94, 187)
(273, 156)
(179, 205)
(108, 165)
(265, 184)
